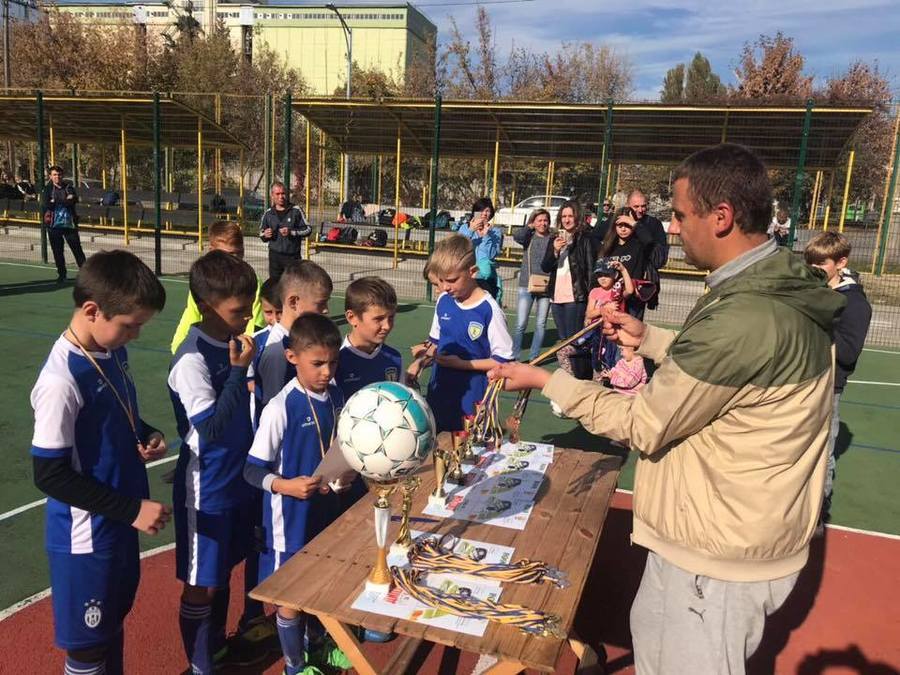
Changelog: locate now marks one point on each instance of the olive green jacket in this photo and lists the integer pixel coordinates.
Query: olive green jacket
(733, 427)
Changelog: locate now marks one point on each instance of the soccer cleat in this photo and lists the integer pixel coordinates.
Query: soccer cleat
(329, 654)
(258, 629)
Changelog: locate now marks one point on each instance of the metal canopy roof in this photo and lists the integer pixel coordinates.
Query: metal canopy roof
(641, 133)
(94, 119)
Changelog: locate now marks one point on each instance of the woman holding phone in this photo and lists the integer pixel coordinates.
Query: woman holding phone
(535, 285)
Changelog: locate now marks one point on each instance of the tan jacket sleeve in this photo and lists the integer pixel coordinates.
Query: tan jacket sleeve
(656, 343)
(672, 406)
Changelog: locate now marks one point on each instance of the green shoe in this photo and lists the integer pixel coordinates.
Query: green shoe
(329, 654)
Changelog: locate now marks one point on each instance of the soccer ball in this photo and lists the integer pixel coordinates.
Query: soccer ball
(385, 431)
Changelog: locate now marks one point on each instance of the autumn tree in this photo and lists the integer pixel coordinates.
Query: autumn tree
(673, 85)
(770, 69)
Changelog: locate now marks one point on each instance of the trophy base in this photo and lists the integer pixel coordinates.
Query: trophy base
(380, 589)
(434, 500)
(400, 550)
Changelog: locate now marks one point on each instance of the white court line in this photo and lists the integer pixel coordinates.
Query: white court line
(37, 597)
(41, 502)
(879, 384)
(881, 351)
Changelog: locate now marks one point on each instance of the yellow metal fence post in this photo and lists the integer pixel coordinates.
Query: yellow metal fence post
(342, 198)
(496, 167)
(887, 189)
(240, 209)
(397, 200)
(846, 189)
(218, 178)
(817, 191)
(308, 182)
(828, 204)
(200, 184)
(124, 179)
(52, 143)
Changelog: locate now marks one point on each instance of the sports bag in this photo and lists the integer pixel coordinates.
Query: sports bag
(349, 235)
(334, 235)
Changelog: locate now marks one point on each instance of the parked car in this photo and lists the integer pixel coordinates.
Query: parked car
(518, 214)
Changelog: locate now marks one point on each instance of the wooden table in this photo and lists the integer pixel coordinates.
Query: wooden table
(564, 529)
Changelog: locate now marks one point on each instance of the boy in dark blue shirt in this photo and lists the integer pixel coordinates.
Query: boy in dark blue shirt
(89, 449)
(295, 431)
(213, 511)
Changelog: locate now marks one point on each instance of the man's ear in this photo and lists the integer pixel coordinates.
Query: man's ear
(724, 219)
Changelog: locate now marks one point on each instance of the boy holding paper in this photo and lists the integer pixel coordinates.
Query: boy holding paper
(295, 431)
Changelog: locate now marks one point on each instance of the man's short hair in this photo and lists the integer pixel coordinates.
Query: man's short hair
(314, 330)
(226, 231)
(218, 276)
(55, 167)
(481, 204)
(271, 293)
(304, 276)
(275, 184)
(451, 254)
(734, 174)
(826, 246)
(119, 282)
(368, 292)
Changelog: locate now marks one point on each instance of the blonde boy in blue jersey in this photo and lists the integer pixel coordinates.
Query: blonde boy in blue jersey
(295, 431)
(469, 332)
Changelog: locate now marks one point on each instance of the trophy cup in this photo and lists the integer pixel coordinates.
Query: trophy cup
(455, 475)
(468, 452)
(440, 457)
(404, 539)
(379, 579)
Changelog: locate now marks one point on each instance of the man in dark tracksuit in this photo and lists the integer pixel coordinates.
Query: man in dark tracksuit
(283, 226)
(58, 200)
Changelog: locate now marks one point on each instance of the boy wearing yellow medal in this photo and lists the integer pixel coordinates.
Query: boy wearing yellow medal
(89, 449)
(295, 431)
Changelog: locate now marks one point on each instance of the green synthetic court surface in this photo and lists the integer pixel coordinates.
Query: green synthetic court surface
(34, 311)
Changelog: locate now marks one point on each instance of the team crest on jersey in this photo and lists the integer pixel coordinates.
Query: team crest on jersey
(475, 330)
(391, 375)
(93, 613)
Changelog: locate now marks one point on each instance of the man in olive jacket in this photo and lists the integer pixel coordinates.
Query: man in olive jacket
(732, 429)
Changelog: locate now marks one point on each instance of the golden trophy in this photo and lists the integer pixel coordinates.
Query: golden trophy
(404, 539)
(468, 452)
(441, 456)
(380, 577)
(455, 474)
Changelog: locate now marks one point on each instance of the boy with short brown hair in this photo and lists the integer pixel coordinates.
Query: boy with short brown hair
(830, 252)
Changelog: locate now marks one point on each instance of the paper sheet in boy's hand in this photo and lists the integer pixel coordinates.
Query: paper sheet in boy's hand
(334, 469)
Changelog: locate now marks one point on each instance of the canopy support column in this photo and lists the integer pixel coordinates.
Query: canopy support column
(605, 154)
(496, 167)
(307, 181)
(846, 189)
(200, 185)
(123, 181)
(828, 203)
(433, 193)
(40, 173)
(287, 143)
(799, 174)
(887, 208)
(397, 202)
(814, 207)
(157, 187)
(267, 148)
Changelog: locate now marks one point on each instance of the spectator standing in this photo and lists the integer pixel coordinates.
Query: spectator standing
(633, 246)
(535, 286)
(780, 227)
(283, 226)
(645, 224)
(731, 435)
(58, 201)
(570, 258)
(26, 189)
(487, 241)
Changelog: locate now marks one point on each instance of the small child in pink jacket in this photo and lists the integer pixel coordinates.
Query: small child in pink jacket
(628, 376)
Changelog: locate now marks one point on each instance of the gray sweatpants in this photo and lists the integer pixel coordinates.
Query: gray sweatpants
(686, 623)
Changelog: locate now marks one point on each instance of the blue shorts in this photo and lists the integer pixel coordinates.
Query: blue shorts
(271, 560)
(93, 593)
(209, 544)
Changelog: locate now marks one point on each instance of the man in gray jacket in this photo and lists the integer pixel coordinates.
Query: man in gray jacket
(283, 226)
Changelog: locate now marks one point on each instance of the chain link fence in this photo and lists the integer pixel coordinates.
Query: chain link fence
(409, 177)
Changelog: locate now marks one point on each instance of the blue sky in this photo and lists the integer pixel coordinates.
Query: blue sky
(656, 34)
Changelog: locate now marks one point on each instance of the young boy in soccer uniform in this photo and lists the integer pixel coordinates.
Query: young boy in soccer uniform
(270, 301)
(295, 431)
(830, 251)
(89, 449)
(469, 331)
(227, 236)
(304, 287)
(213, 516)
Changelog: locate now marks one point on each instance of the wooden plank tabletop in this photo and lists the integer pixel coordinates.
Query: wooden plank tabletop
(563, 531)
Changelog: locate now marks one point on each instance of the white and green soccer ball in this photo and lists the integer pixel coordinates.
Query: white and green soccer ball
(386, 430)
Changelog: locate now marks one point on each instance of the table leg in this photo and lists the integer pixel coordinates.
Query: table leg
(343, 636)
(587, 657)
(504, 668)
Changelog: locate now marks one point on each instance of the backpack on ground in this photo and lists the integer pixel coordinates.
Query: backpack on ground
(349, 235)
(334, 235)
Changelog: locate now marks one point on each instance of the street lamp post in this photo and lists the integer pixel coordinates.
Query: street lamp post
(348, 37)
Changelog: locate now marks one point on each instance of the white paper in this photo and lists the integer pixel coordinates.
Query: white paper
(332, 467)
(501, 488)
(401, 605)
